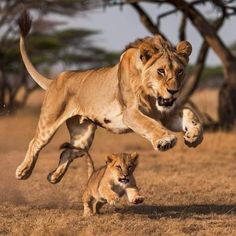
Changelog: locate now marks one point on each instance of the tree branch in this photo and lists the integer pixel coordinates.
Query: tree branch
(146, 20)
(182, 28)
(164, 15)
(206, 30)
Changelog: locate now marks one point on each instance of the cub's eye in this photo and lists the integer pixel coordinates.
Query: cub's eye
(130, 167)
(180, 72)
(118, 167)
(161, 71)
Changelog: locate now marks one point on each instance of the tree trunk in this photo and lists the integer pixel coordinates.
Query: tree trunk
(227, 102)
(2, 91)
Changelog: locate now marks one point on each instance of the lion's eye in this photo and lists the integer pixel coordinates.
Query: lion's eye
(180, 72)
(161, 71)
(118, 167)
(130, 167)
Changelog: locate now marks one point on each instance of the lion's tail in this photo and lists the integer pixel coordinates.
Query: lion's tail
(82, 153)
(90, 165)
(24, 23)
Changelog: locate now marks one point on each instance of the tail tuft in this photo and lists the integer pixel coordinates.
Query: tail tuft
(24, 23)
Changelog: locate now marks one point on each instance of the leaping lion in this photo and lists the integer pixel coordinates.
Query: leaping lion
(138, 94)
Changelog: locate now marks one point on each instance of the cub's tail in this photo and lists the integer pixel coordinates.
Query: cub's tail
(25, 23)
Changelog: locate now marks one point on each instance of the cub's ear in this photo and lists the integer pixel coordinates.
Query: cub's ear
(134, 156)
(184, 48)
(110, 158)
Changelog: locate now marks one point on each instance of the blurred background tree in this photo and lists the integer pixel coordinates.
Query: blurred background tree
(51, 45)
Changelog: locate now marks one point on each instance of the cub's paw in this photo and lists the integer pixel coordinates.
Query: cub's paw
(194, 136)
(166, 143)
(113, 200)
(137, 200)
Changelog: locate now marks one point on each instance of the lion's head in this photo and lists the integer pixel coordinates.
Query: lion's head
(121, 166)
(161, 68)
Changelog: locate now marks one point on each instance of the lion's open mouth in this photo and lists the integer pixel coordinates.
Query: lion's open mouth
(165, 102)
(124, 180)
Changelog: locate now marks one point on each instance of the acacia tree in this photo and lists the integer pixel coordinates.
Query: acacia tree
(208, 29)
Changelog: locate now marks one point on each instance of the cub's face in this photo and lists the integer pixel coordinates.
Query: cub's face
(164, 70)
(122, 166)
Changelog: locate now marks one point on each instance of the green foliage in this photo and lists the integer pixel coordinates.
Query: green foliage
(209, 72)
(213, 72)
(69, 46)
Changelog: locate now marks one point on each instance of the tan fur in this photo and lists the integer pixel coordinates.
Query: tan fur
(108, 184)
(126, 97)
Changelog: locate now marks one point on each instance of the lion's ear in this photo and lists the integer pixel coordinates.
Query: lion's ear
(184, 48)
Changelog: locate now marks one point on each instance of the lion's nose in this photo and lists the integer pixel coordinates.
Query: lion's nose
(172, 92)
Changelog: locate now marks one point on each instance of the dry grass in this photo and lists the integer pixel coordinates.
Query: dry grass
(188, 191)
(206, 100)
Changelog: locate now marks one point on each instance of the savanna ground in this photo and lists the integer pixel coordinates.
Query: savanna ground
(187, 191)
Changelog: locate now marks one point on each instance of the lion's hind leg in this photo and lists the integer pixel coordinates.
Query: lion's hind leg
(51, 117)
(82, 134)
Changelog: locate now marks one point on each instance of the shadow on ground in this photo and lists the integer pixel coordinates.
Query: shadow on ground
(182, 211)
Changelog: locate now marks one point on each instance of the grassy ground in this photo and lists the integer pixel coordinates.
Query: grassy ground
(187, 191)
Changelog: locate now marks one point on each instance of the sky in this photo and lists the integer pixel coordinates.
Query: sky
(120, 27)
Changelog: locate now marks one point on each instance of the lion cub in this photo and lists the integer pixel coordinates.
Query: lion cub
(110, 182)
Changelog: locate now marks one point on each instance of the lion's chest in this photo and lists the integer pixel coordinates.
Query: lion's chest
(111, 118)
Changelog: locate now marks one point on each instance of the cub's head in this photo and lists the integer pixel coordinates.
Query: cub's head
(162, 68)
(122, 166)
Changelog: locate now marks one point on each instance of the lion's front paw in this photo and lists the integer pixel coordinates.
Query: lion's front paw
(137, 200)
(194, 136)
(166, 143)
